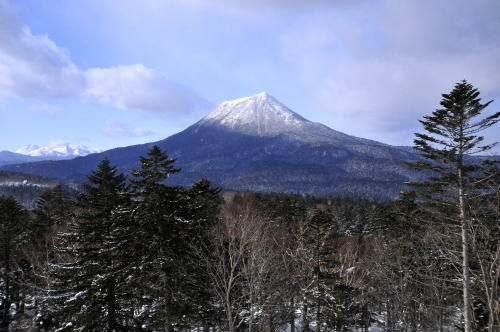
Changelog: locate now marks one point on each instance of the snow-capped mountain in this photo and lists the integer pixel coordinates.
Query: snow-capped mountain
(28, 149)
(258, 144)
(260, 115)
(58, 150)
(264, 116)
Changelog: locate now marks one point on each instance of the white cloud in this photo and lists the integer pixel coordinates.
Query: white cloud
(35, 67)
(32, 66)
(141, 88)
(117, 129)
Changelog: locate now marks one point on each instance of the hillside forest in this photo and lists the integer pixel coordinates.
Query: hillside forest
(133, 253)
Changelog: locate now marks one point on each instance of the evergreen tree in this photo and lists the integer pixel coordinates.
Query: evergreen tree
(52, 214)
(91, 281)
(159, 212)
(332, 300)
(53, 207)
(13, 220)
(448, 145)
(172, 219)
(202, 204)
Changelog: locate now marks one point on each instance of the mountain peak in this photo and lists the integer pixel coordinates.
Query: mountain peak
(26, 150)
(57, 150)
(262, 95)
(258, 115)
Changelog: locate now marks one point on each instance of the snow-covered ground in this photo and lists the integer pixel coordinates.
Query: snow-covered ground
(24, 183)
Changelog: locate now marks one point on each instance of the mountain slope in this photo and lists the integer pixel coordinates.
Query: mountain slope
(7, 157)
(258, 144)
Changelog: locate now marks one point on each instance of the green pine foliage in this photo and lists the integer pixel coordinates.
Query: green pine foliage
(170, 217)
(89, 284)
(331, 301)
(450, 143)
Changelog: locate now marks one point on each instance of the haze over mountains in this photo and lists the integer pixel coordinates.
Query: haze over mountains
(258, 144)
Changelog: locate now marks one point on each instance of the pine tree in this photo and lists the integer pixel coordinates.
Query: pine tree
(90, 284)
(13, 220)
(448, 145)
(202, 203)
(332, 300)
(159, 211)
(52, 214)
(53, 207)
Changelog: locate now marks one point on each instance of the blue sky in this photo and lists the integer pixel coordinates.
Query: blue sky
(110, 73)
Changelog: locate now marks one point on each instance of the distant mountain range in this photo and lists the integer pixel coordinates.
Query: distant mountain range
(258, 144)
(56, 151)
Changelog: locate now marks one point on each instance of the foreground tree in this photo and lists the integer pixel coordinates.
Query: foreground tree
(13, 219)
(89, 283)
(449, 145)
(159, 214)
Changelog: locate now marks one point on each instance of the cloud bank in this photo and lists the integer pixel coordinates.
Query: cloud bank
(381, 66)
(138, 87)
(35, 67)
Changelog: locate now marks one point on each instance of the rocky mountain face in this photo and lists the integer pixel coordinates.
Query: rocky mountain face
(258, 144)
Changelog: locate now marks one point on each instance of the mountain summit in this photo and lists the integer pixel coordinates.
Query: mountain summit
(258, 144)
(257, 115)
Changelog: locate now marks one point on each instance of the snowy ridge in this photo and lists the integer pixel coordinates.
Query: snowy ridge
(28, 149)
(260, 115)
(57, 150)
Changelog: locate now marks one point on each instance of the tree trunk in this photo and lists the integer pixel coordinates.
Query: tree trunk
(168, 303)
(305, 321)
(6, 293)
(229, 312)
(465, 257)
(111, 305)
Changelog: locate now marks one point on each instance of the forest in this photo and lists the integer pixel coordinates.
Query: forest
(133, 253)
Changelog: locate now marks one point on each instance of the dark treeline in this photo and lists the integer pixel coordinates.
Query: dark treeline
(141, 255)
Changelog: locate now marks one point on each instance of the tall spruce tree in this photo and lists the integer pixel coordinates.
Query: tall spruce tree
(90, 284)
(53, 213)
(451, 140)
(13, 220)
(202, 203)
(331, 299)
(158, 212)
